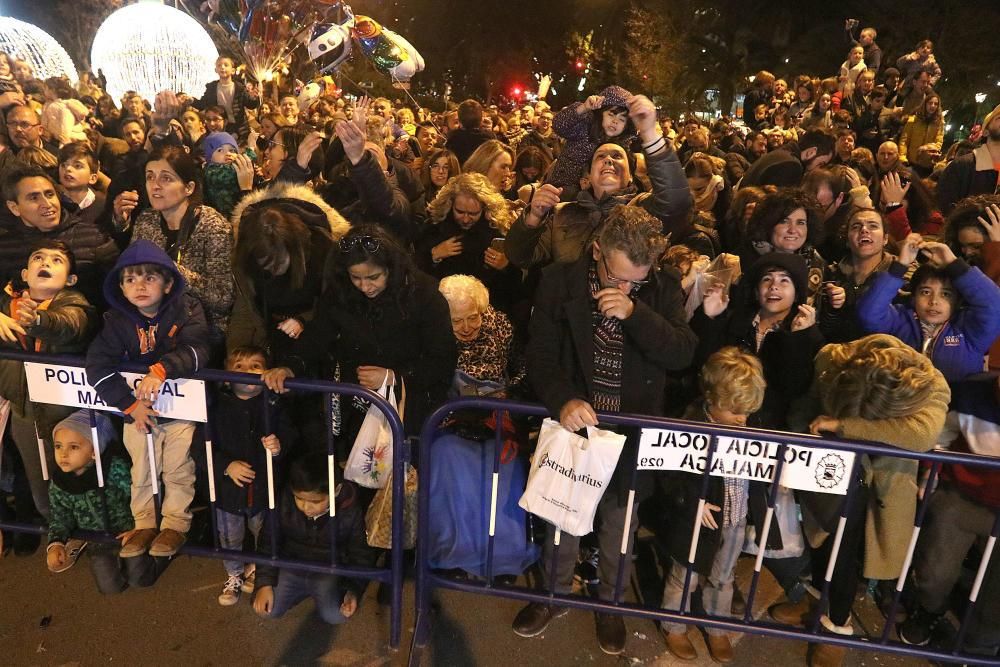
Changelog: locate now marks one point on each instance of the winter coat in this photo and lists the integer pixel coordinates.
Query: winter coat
(959, 348)
(65, 325)
(237, 428)
(222, 188)
(972, 174)
(841, 325)
(991, 267)
(363, 193)
(898, 222)
(560, 354)
(571, 226)
(258, 309)
(579, 148)
(77, 503)
(463, 142)
(892, 499)
(242, 100)
(973, 427)
(504, 286)
(95, 253)
(178, 331)
(409, 334)
(302, 538)
(203, 254)
(916, 133)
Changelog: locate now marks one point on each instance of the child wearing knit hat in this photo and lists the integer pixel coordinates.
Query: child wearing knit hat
(222, 183)
(82, 499)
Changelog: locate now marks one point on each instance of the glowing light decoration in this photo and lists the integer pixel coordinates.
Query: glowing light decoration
(38, 48)
(148, 47)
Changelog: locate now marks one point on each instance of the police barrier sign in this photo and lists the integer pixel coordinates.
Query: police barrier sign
(806, 468)
(68, 385)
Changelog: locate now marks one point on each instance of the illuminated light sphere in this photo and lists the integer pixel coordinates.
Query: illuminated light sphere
(148, 47)
(33, 45)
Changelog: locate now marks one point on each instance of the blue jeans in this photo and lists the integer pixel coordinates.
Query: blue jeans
(232, 528)
(294, 587)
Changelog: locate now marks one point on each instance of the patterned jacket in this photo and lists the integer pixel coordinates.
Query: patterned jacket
(76, 501)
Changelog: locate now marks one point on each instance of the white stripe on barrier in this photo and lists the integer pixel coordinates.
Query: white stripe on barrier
(909, 558)
(151, 453)
(333, 487)
(990, 543)
(555, 538)
(41, 455)
(211, 470)
(493, 504)
(628, 521)
(696, 530)
(98, 466)
(270, 480)
(838, 538)
(768, 516)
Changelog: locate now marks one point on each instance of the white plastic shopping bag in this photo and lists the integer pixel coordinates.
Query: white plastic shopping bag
(569, 475)
(370, 460)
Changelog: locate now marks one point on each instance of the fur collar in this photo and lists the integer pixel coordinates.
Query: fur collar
(301, 197)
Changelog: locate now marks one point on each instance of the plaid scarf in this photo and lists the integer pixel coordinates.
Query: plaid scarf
(609, 348)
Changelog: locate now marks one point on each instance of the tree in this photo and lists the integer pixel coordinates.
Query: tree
(78, 23)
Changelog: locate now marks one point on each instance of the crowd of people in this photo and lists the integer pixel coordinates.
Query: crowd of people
(820, 265)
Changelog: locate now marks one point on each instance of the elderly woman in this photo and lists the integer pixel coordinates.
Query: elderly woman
(484, 337)
(464, 451)
(465, 234)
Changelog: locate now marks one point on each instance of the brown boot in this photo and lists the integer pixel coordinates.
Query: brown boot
(794, 613)
(720, 648)
(679, 644)
(138, 543)
(826, 655)
(167, 543)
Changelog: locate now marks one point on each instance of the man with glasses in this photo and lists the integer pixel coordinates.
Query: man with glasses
(24, 128)
(542, 136)
(605, 331)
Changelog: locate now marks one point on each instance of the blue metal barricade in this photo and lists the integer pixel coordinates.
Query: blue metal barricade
(428, 580)
(391, 576)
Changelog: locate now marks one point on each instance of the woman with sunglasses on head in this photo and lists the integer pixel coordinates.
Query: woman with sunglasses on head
(383, 321)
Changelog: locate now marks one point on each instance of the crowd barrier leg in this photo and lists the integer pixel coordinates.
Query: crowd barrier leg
(331, 464)
(626, 534)
(765, 531)
(272, 514)
(706, 479)
(494, 491)
(153, 476)
(210, 464)
(838, 539)
(977, 585)
(41, 454)
(918, 523)
(94, 438)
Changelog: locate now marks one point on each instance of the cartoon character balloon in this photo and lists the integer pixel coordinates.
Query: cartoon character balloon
(389, 52)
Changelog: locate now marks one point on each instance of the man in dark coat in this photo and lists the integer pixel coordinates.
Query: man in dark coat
(470, 135)
(604, 332)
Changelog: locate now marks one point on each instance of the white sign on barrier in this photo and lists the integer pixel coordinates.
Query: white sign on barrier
(806, 468)
(68, 385)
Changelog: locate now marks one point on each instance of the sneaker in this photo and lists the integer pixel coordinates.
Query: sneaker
(533, 619)
(231, 590)
(611, 633)
(918, 628)
(74, 548)
(139, 543)
(249, 582)
(586, 573)
(167, 543)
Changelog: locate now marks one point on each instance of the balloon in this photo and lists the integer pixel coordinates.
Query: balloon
(225, 13)
(390, 53)
(405, 70)
(330, 46)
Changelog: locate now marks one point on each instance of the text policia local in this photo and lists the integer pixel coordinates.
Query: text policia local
(86, 393)
(756, 453)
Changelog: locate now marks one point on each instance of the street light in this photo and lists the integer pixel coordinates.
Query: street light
(980, 98)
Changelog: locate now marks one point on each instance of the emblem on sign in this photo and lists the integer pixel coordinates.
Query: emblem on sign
(830, 470)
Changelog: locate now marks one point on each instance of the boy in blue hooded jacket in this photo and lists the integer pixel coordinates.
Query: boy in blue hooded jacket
(151, 320)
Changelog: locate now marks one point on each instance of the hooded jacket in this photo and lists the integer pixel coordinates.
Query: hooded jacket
(174, 342)
(77, 503)
(257, 307)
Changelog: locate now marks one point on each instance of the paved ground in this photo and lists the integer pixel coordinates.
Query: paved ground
(179, 622)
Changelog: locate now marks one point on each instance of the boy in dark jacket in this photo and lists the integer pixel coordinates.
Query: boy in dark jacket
(239, 428)
(78, 501)
(53, 318)
(151, 321)
(305, 525)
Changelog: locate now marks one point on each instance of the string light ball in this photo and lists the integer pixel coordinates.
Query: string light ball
(23, 41)
(148, 47)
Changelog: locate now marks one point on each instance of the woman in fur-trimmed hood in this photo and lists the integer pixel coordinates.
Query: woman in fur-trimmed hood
(283, 235)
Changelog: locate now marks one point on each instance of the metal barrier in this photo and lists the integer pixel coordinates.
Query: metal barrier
(428, 580)
(392, 576)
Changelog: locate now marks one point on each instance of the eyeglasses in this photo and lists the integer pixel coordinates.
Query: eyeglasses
(369, 243)
(264, 143)
(620, 281)
(22, 125)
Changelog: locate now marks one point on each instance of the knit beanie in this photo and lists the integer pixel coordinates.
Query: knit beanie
(79, 422)
(216, 140)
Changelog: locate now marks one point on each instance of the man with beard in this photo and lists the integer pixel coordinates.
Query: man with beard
(786, 166)
(548, 231)
(542, 137)
(975, 173)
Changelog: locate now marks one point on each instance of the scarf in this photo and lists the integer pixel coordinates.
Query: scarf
(609, 348)
(597, 210)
